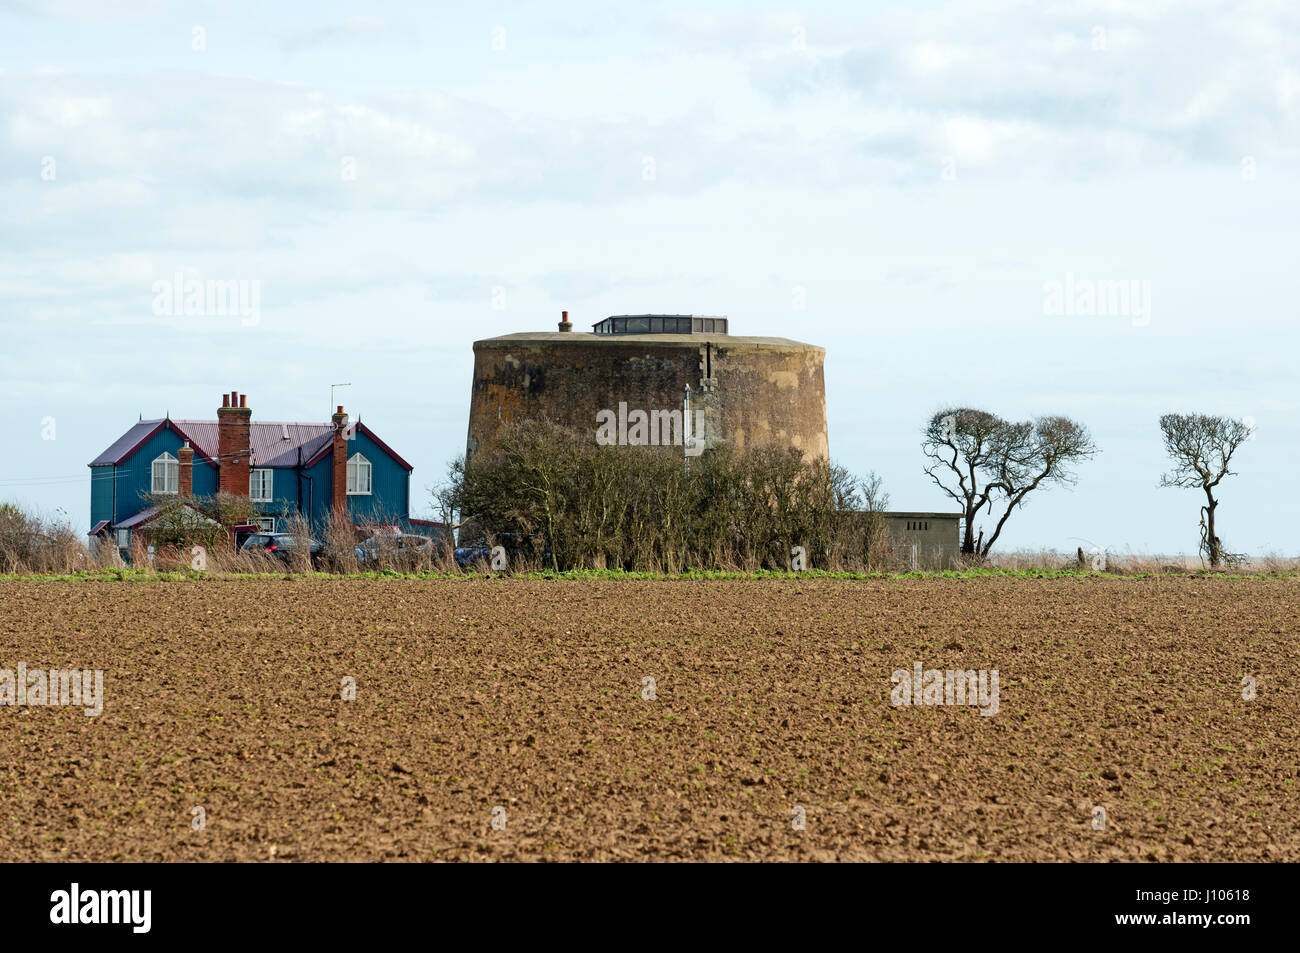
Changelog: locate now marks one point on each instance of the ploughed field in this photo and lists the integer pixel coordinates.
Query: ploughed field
(510, 719)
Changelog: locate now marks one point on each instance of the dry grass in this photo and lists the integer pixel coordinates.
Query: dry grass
(1127, 564)
(31, 543)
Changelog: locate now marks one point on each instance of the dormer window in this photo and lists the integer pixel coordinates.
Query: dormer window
(166, 474)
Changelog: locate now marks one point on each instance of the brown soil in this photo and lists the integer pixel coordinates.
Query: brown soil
(770, 696)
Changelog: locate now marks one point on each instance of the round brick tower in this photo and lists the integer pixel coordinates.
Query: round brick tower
(638, 379)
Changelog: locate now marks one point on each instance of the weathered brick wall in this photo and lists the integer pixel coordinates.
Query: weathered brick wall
(753, 391)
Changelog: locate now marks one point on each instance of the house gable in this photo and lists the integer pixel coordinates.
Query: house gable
(120, 483)
(389, 499)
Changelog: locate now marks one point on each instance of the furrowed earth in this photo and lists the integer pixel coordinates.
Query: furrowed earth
(524, 702)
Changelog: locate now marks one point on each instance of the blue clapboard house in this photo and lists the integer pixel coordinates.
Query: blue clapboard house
(315, 469)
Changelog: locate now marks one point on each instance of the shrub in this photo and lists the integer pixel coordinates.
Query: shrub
(649, 509)
(32, 543)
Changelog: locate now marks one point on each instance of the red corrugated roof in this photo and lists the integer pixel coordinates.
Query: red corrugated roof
(145, 515)
(273, 444)
(122, 447)
(358, 426)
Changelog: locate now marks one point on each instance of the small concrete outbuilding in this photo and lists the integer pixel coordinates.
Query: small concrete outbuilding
(925, 540)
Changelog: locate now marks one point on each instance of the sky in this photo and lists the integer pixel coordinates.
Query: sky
(908, 185)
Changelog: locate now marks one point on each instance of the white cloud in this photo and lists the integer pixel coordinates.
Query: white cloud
(800, 147)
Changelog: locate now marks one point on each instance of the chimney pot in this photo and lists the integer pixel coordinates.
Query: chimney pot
(339, 466)
(565, 325)
(233, 445)
(185, 459)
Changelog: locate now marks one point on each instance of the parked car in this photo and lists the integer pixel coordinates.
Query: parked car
(406, 549)
(515, 546)
(280, 545)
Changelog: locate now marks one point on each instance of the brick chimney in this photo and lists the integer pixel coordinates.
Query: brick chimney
(233, 448)
(339, 487)
(185, 457)
(565, 323)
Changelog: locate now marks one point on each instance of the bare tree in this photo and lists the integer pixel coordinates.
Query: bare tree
(960, 442)
(1202, 447)
(1039, 454)
(861, 533)
(986, 463)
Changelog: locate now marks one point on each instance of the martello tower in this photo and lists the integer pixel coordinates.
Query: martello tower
(745, 391)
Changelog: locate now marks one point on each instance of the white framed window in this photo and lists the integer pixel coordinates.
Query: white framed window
(358, 475)
(123, 539)
(266, 524)
(259, 485)
(166, 474)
